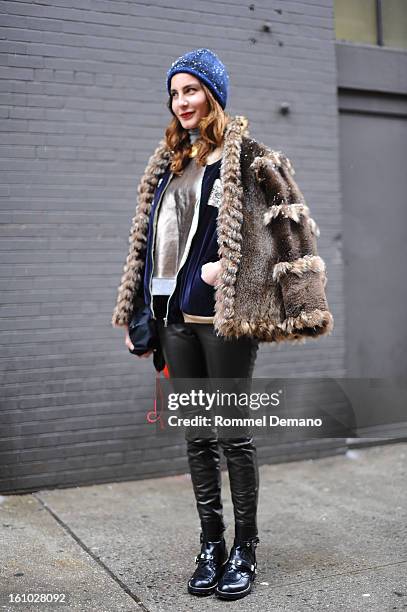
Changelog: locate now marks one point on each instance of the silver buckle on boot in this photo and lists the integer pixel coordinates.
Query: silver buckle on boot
(206, 556)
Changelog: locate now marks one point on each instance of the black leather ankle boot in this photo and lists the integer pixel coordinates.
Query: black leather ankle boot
(240, 570)
(210, 564)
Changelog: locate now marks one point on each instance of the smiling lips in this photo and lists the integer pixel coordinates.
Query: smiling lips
(186, 115)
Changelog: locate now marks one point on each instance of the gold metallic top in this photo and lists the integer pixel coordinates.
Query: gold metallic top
(174, 223)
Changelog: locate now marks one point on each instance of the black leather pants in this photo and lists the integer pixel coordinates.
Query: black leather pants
(192, 350)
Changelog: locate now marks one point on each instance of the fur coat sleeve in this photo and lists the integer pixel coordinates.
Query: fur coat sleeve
(298, 270)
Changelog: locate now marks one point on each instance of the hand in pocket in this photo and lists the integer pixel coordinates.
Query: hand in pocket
(210, 273)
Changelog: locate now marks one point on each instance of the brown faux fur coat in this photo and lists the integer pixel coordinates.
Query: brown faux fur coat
(273, 281)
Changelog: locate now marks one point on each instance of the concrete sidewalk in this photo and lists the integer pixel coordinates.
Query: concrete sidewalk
(333, 536)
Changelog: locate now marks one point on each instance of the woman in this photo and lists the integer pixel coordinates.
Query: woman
(223, 251)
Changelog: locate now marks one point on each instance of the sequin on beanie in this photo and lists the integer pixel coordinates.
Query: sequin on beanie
(206, 66)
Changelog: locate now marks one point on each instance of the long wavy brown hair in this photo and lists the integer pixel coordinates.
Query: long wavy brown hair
(212, 128)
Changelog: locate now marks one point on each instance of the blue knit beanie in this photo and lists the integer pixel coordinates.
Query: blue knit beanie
(206, 66)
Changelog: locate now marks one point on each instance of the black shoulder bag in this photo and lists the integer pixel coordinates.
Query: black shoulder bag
(144, 336)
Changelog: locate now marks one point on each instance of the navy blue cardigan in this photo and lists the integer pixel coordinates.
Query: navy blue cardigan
(191, 294)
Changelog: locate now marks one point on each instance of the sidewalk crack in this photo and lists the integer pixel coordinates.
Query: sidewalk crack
(103, 565)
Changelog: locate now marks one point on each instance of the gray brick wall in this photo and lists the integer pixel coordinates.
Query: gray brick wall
(82, 106)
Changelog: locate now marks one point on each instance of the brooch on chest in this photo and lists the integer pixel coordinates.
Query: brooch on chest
(215, 197)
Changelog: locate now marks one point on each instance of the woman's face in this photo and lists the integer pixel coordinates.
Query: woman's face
(188, 100)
